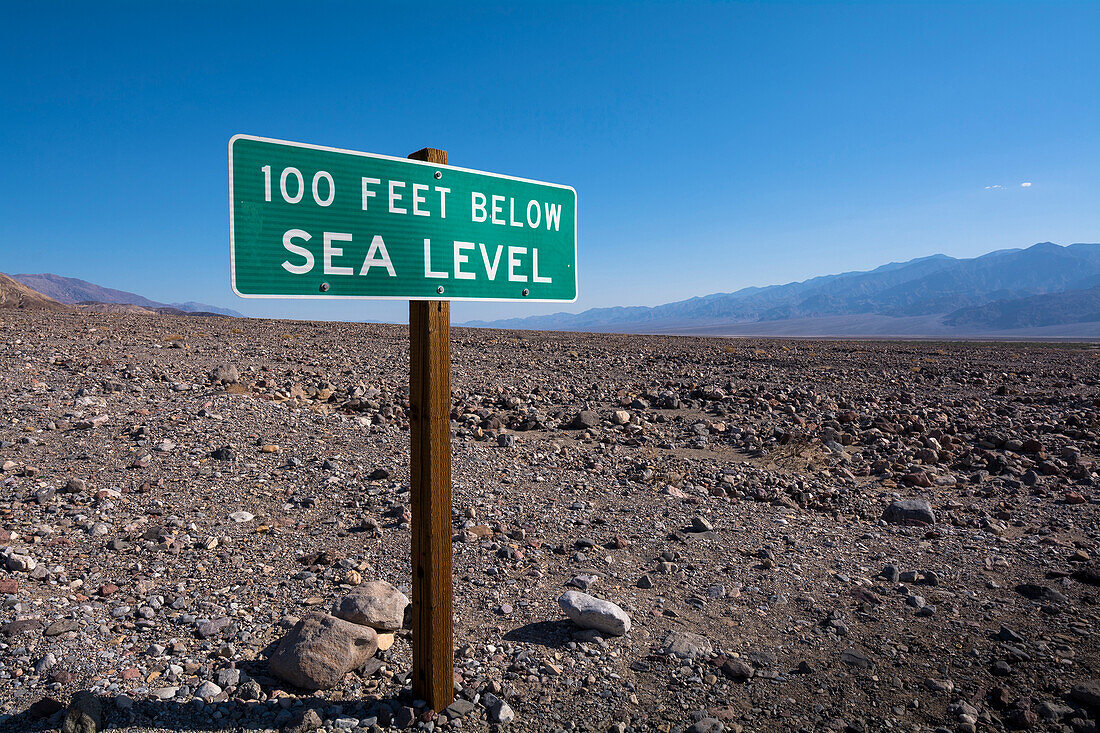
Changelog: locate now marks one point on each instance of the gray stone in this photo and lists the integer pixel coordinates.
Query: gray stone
(225, 374)
(707, 725)
(64, 626)
(213, 627)
(594, 613)
(320, 650)
(228, 677)
(701, 524)
(585, 419)
(208, 690)
(459, 709)
(685, 645)
(376, 604)
(909, 511)
(250, 690)
(499, 711)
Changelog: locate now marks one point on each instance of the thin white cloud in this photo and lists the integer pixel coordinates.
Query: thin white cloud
(995, 185)
(1026, 184)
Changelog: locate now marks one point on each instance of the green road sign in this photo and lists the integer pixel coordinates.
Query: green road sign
(307, 221)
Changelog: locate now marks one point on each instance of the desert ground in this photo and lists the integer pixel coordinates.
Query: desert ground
(805, 535)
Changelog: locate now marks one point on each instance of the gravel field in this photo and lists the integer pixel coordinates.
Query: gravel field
(805, 536)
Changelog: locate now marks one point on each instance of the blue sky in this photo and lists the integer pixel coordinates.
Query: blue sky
(712, 145)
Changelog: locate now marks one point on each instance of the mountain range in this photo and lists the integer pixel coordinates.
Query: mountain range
(72, 291)
(1043, 290)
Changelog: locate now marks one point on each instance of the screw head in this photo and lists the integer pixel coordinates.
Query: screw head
(439, 290)
(526, 292)
(438, 175)
(324, 287)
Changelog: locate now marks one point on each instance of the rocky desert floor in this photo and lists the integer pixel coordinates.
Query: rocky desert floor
(806, 536)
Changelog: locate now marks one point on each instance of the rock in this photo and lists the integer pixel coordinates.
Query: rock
(241, 516)
(737, 670)
(685, 645)
(707, 725)
(499, 711)
(593, 613)
(250, 690)
(208, 691)
(620, 417)
(90, 423)
(164, 693)
(225, 453)
(459, 709)
(228, 677)
(582, 581)
(64, 626)
(213, 627)
(320, 650)
(585, 419)
(1089, 574)
(376, 604)
(700, 524)
(85, 714)
(306, 721)
(45, 664)
(1040, 593)
(856, 659)
(20, 563)
(1087, 693)
(909, 512)
(225, 374)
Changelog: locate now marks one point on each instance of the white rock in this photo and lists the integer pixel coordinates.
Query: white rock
(594, 613)
(208, 690)
(241, 516)
(377, 604)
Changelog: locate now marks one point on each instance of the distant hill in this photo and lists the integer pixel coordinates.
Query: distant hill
(72, 291)
(16, 295)
(1036, 311)
(904, 293)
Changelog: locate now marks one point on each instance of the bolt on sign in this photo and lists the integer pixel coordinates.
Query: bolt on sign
(308, 221)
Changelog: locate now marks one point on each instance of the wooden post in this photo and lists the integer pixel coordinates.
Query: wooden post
(430, 456)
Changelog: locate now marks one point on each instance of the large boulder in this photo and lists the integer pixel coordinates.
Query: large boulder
(909, 511)
(590, 612)
(376, 604)
(319, 650)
